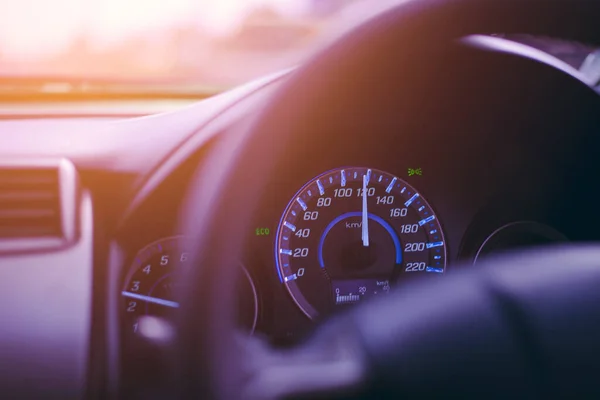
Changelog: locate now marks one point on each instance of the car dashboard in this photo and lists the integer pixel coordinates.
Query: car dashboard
(438, 215)
(434, 201)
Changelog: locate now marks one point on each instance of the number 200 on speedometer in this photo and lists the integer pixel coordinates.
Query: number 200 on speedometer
(352, 233)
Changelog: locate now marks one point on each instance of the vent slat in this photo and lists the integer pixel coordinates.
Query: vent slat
(25, 195)
(25, 181)
(20, 232)
(15, 214)
(29, 203)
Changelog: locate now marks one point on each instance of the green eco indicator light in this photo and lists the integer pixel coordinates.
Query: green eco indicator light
(263, 231)
(415, 171)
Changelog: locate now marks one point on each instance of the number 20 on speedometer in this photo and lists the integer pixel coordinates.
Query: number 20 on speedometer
(352, 233)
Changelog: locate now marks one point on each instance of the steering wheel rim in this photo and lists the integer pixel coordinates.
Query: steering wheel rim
(207, 362)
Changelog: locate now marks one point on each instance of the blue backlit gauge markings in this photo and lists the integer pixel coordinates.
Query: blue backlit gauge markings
(353, 233)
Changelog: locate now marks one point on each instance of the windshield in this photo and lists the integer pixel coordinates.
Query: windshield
(215, 43)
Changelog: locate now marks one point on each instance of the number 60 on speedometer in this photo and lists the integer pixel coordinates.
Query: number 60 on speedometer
(352, 233)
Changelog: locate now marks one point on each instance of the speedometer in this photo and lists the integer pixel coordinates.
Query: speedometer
(353, 233)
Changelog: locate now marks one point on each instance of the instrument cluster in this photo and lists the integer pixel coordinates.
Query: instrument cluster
(331, 241)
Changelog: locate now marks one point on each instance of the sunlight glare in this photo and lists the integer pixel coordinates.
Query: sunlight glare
(30, 28)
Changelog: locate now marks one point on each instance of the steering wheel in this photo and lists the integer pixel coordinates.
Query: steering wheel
(529, 328)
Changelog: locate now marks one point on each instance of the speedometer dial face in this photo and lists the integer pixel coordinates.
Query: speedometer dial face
(353, 233)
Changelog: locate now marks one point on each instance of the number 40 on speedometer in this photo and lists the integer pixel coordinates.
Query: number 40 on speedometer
(352, 233)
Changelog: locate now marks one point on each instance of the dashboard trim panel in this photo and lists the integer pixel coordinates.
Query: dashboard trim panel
(501, 45)
(47, 318)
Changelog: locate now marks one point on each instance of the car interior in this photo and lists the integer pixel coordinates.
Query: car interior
(407, 212)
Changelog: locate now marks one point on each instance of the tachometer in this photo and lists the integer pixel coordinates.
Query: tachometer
(151, 285)
(352, 233)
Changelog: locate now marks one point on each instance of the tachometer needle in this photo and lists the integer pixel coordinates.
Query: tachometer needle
(365, 214)
(148, 299)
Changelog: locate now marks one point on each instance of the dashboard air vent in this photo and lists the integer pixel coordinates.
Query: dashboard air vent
(36, 202)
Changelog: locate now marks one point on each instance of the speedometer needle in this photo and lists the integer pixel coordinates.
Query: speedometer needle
(365, 214)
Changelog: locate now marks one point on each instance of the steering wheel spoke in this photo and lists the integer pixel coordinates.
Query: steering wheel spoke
(328, 365)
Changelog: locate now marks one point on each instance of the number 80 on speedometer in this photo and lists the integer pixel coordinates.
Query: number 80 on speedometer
(352, 233)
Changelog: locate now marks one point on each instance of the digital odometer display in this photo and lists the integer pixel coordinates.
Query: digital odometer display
(352, 233)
